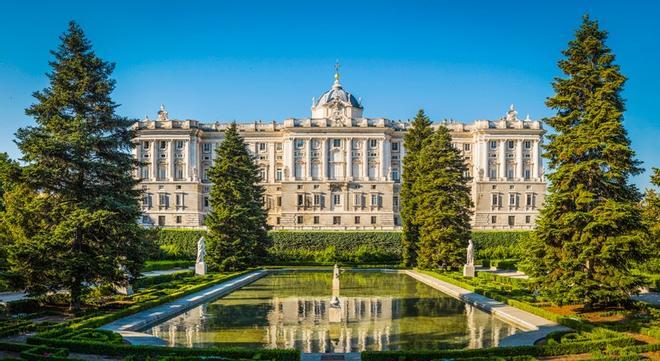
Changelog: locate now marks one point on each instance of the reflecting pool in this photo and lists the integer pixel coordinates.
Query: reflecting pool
(376, 311)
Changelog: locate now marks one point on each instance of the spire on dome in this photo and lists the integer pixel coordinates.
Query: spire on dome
(337, 66)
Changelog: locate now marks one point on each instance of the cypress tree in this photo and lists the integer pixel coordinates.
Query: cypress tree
(413, 141)
(238, 232)
(72, 217)
(588, 234)
(444, 203)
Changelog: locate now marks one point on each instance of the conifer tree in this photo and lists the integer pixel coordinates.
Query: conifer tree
(588, 234)
(238, 232)
(444, 203)
(73, 214)
(413, 141)
(651, 218)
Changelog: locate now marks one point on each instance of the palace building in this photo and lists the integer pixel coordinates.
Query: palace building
(337, 170)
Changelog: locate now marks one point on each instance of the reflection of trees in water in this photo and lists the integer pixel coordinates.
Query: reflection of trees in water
(379, 311)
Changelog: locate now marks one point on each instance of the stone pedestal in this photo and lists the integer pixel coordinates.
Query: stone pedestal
(125, 290)
(335, 283)
(468, 270)
(200, 268)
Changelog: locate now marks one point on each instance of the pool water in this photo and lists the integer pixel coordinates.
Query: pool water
(377, 311)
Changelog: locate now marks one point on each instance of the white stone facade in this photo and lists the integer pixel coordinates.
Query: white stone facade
(337, 170)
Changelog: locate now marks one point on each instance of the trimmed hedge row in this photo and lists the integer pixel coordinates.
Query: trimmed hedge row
(181, 244)
(166, 265)
(546, 350)
(94, 347)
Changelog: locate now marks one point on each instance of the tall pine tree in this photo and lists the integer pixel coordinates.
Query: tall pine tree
(413, 141)
(588, 234)
(444, 203)
(73, 217)
(238, 232)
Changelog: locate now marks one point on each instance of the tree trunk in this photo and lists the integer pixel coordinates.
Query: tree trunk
(74, 305)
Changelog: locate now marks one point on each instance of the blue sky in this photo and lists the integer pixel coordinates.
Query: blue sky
(251, 60)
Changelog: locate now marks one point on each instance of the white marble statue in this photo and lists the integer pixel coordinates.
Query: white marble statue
(201, 250)
(200, 266)
(470, 253)
(335, 278)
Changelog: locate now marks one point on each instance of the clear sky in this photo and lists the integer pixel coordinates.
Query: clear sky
(251, 60)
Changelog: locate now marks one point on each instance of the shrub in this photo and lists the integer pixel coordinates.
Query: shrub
(166, 265)
(499, 244)
(178, 244)
(150, 281)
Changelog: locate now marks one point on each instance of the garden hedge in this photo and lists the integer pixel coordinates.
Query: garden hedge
(181, 244)
(546, 350)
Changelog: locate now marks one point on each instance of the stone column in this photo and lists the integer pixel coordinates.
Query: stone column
(324, 158)
(519, 159)
(385, 158)
(154, 160)
(365, 159)
(536, 158)
(382, 171)
(502, 157)
(483, 145)
(272, 167)
(137, 154)
(308, 165)
(171, 144)
(348, 145)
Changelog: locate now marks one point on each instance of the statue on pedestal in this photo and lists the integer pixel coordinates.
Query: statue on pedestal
(125, 289)
(200, 266)
(468, 269)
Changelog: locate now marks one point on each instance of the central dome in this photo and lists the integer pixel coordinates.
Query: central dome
(337, 94)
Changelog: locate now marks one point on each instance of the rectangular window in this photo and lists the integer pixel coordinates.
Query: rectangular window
(206, 148)
(527, 174)
(278, 146)
(373, 143)
(528, 144)
(146, 201)
(509, 171)
(279, 201)
(395, 175)
(336, 220)
(336, 143)
(179, 144)
(178, 219)
(277, 220)
(162, 171)
(301, 200)
(300, 220)
(374, 199)
(163, 200)
(163, 145)
(179, 200)
(493, 144)
(144, 172)
(161, 221)
(466, 147)
(278, 174)
(395, 201)
(206, 202)
(317, 199)
(531, 200)
(300, 143)
(493, 171)
(512, 220)
(495, 200)
(493, 219)
(513, 199)
(317, 220)
(145, 145)
(373, 219)
(510, 144)
(357, 219)
(336, 199)
(395, 146)
(528, 219)
(262, 147)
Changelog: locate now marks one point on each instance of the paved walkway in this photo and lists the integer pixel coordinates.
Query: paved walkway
(536, 327)
(130, 326)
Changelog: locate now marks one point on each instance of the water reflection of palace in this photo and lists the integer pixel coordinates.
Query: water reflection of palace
(310, 324)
